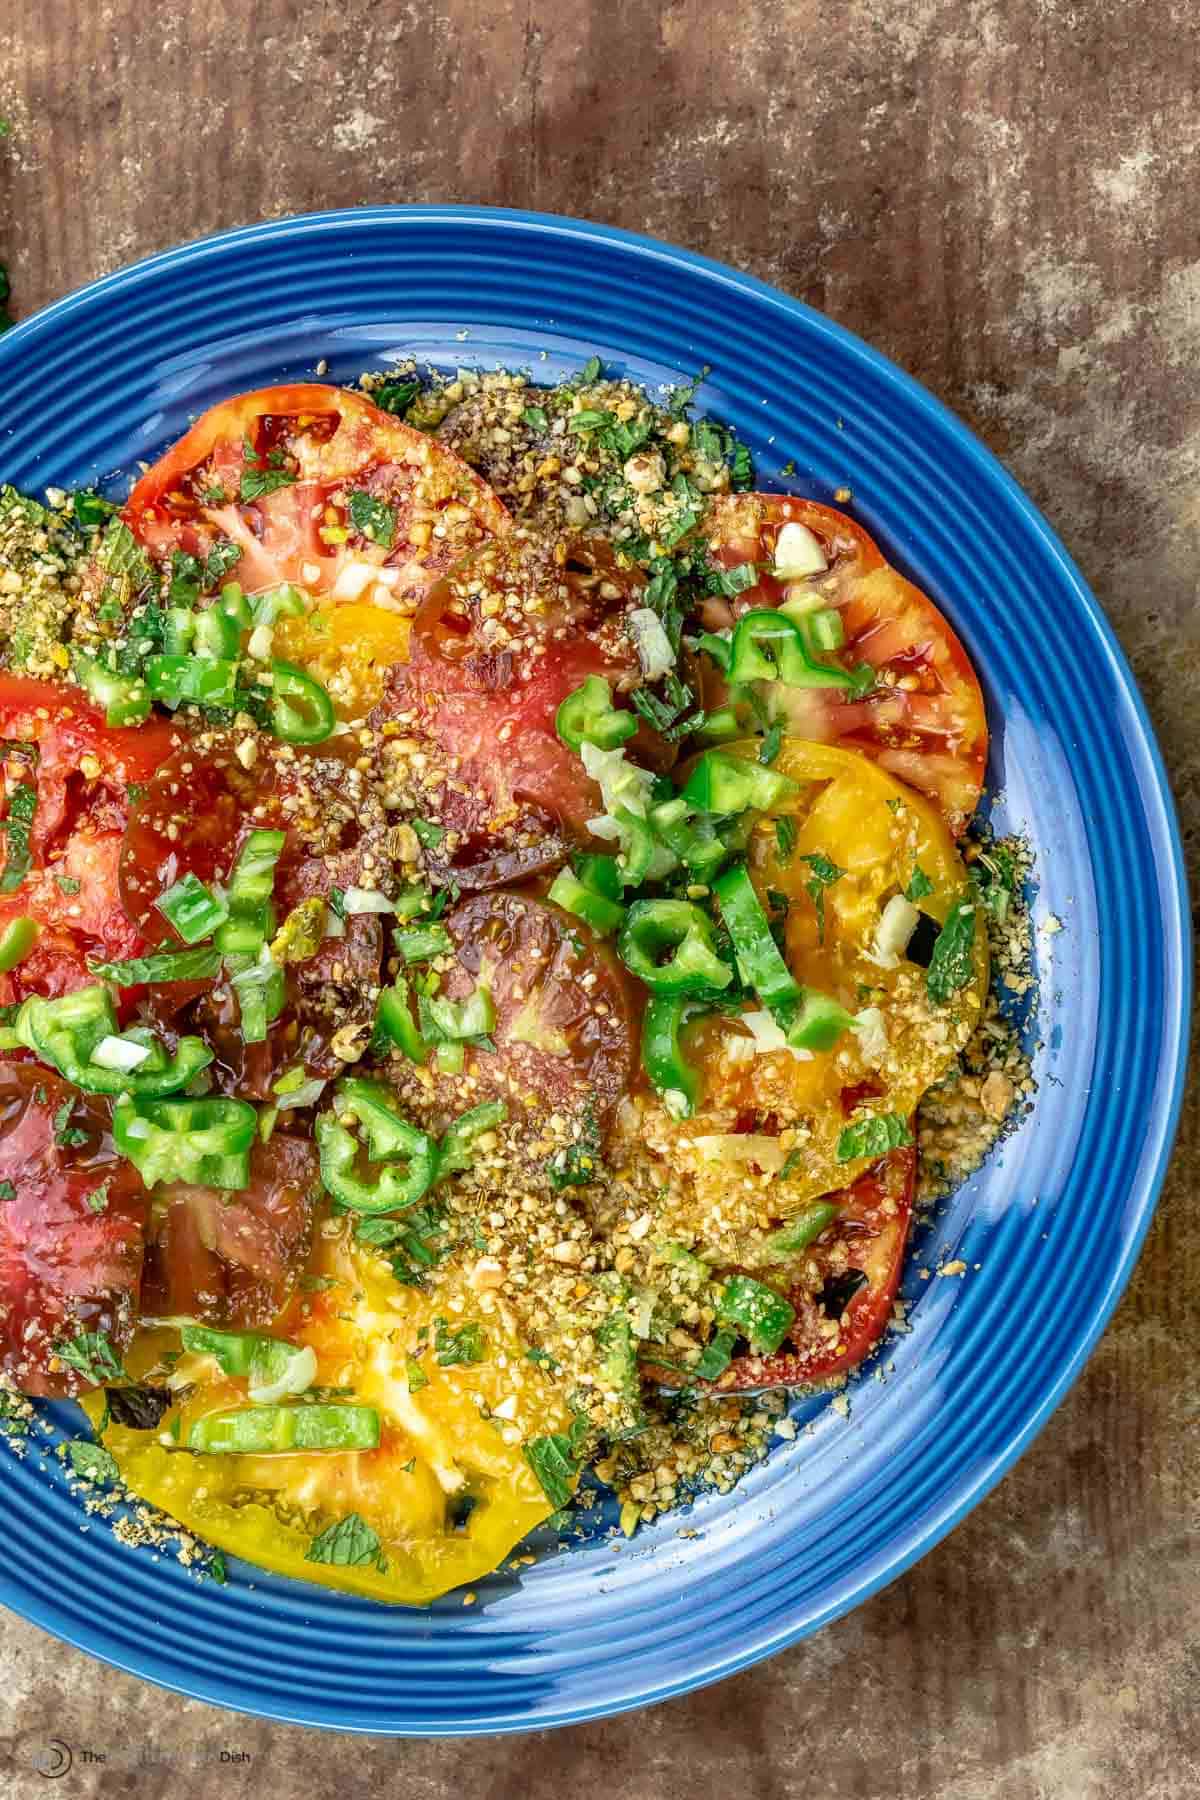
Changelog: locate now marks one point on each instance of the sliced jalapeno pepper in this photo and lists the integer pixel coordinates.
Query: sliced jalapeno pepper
(205, 1142)
(569, 892)
(759, 961)
(195, 680)
(395, 1023)
(662, 1057)
(671, 946)
(721, 783)
(264, 1430)
(66, 1031)
(301, 710)
(457, 1148)
(588, 716)
(390, 1189)
(771, 646)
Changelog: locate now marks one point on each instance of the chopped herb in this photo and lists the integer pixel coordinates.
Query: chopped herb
(552, 1461)
(919, 885)
(221, 558)
(317, 1284)
(771, 745)
(791, 1163)
(824, 874)
(374, 518)
(785, 839)
(579, 1163)
(22, 805)
(64, 1132)
(90, 510)
(7, 1191)
(257, 483)
(873, 1137)
(535, 418)
(350, 1543)
(731, 582)
(466, 1345)
(953, 961)
(337, 902)
(590, 371)
(543, 1358)
(417, 1378)
(67, 884)
(396, 396)
(716, 1355)
(213, 496)
(999, 869)
(672, 717)
(92, 1461)
(217, 1569)
(741, 469)
(661, 596)
(92, 1356)
(429, 834)
(691, 505)
(97, 1200)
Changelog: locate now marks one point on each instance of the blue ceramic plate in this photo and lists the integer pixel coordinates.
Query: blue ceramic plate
(109, 376)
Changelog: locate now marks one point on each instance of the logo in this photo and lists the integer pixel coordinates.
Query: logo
(52, 1759)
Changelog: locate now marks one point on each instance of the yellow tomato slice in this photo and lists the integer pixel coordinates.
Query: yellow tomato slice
(348, 649)
(765, 1111)
(448, 1492)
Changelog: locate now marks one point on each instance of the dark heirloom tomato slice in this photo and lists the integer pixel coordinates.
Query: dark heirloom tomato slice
(273, 472)
(925, 722)
(71, 1229)
(495, 649)
(851, 1274)
(233, 1259)
(565, 1032)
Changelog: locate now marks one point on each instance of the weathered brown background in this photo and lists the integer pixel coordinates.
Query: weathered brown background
(1002, 194)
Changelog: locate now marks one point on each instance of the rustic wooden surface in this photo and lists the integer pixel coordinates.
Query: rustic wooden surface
(1001, 194)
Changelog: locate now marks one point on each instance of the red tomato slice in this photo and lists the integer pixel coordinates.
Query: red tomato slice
(67, 1266)
(233, 1259)
(196, 812)
(81, 922)
(302, 450)
(81, 761)
(84, 773)
(495, 650)
(843, 1310)
(925, 722)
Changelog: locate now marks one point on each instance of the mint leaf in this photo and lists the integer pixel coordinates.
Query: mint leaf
(873, 1137)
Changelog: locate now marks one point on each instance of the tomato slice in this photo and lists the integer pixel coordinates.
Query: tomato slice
(843, 846)
(447, 1493)
(84, 773)
(195, 813)
(82, 765)
(847, 1282)
(495, 650)
(297, 454)
(565, 1031)
(925, 722)
(233, 1259)
(72, 1224)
